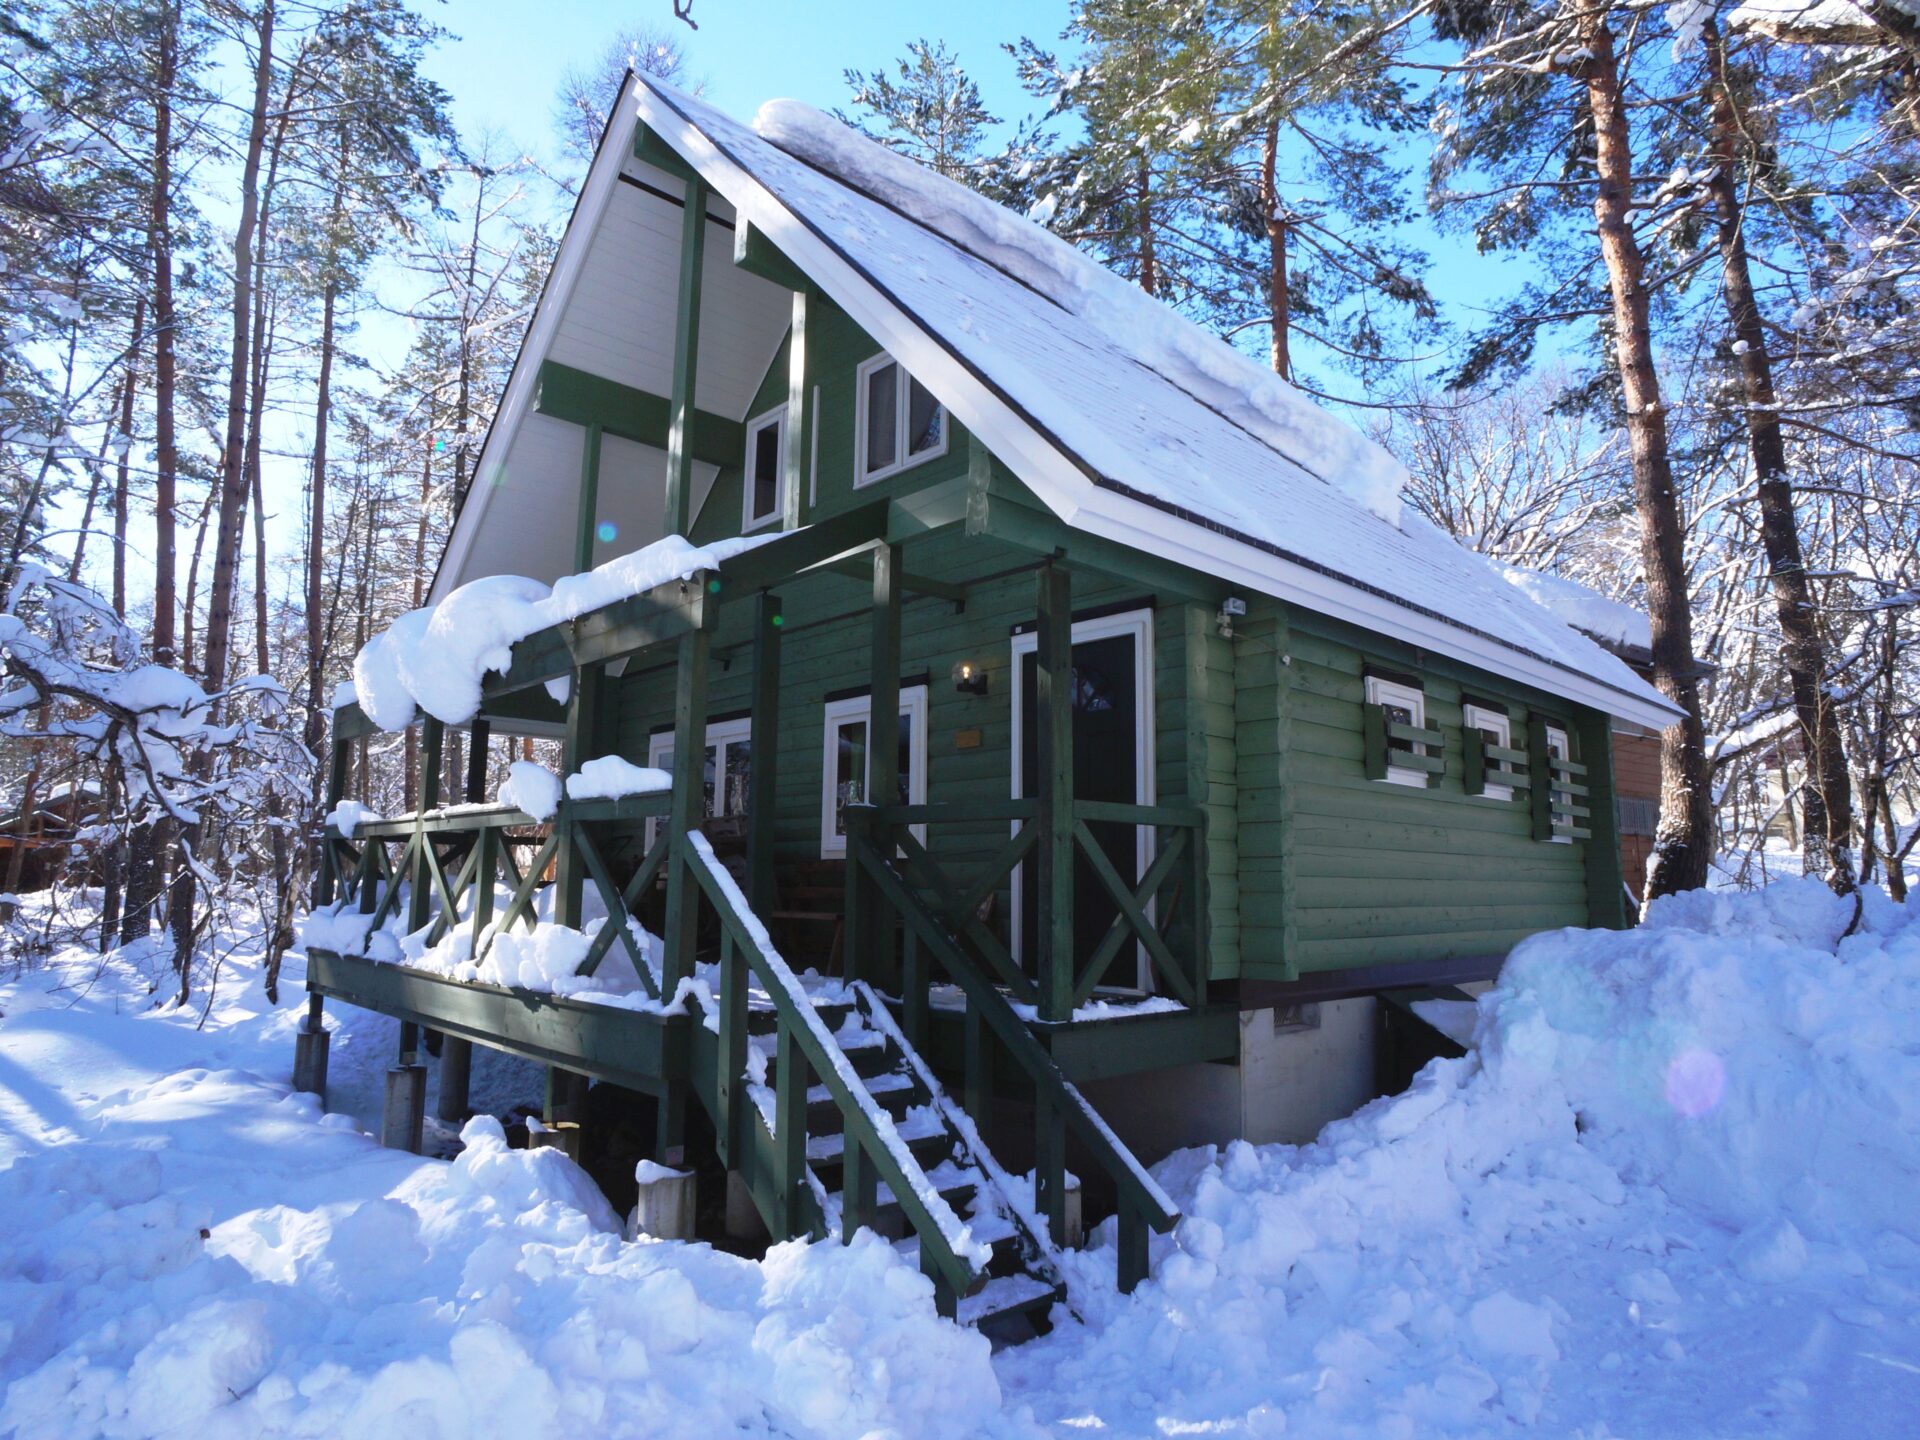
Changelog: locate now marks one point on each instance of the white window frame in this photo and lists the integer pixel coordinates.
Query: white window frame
(1381, 691)
(838, 713)
(903, 393)
(1558, 743)
(1479, 717)
(1139, 625)
(721, 734)
(748, 520)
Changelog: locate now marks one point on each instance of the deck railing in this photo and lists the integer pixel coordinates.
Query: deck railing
(445, 865)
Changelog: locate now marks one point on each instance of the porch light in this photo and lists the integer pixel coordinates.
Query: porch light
(969, 678)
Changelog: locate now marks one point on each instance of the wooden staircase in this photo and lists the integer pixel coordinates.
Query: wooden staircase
(835, 1123)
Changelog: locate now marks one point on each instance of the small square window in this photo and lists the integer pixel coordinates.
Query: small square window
(765, 480)
(899, 422)
(1408, 706)
(1497, 728)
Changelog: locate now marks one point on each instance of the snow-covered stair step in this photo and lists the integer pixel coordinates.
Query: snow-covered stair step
(877, 1085)
(954, 1182)
(1004, 1294)
(920, 1131)
(987, 1229)
(892, 1090)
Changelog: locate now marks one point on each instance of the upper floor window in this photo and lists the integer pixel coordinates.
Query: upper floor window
(898, 422)
(765, 480)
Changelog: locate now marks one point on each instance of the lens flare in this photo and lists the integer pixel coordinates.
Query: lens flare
(606, 530)
(1696, 1081)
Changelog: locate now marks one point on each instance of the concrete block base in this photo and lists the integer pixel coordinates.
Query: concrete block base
(1076, 1235)
(743, 1216)
(310, 1061)
(561, 1135)
(403, 1120)
(666, 1206)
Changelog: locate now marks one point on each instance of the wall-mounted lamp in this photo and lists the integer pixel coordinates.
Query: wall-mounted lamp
(969, 678)
(1231, 609)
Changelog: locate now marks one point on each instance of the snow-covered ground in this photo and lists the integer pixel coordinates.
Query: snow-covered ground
(1671, 1193)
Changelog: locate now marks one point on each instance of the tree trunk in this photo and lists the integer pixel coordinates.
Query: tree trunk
(419, 595)
(233, 474)
(1149, 269)
(136, 919)
(1279, 293)
(193, 584)
(1683, 843)
(166, 452)
(121, 476)
(1826, 834)
(112, 857)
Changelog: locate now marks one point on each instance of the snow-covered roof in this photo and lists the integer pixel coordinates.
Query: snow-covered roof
(1809, 22)
(1126, 420)
(1616, 625)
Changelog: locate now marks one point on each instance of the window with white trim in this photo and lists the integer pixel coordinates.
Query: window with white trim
(764, 483)
(1560, 748)
(729, 761)
(844, 762)
(1497, 727)
(1407, 705)
(897, 422)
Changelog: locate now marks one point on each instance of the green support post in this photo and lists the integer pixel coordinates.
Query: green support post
(1050, 1166)
(325, 877)
(589, 515)
(797, 505)
(570, 871)
(479, 737)
(687, 808)
(792, 1078)
(763, 774)
(686, 349)
(1053, 787)
(419, 879)
(883, 748)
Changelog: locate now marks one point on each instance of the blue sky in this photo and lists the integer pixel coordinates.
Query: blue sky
(508, 62)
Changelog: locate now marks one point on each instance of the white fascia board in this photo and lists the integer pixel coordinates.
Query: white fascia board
(603, 179)
(1067, 490)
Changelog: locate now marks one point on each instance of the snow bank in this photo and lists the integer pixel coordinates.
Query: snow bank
(1152, 334)
(1699, 1136)
(436, 658)
(348, 816)
(1611, 622)
(611, 777)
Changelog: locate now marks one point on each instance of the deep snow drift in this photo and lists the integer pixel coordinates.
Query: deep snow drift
(1670, 1194)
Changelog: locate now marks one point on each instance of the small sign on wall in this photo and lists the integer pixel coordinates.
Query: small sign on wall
(966, 739)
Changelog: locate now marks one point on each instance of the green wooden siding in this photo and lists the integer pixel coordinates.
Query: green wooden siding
(1312, 866)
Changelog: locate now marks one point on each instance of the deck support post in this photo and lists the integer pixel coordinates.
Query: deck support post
(670, 1125)
(326, 881)
(583, 709)
(310, 1050)
(688, 805)
(1050, 1167)
(433, 737)
(1053, 787)
(456, 1073)
(561, 1113)
(765, 732)
(479, 738)
(977, 1066)
(686, 350)
(873, 961)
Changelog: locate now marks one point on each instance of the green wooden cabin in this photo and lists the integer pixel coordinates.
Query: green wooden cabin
(1200, 766)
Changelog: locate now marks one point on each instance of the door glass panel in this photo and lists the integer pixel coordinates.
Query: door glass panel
(850, 774)
(739, 763)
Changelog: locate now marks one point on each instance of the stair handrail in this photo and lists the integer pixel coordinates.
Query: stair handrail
(1142, 1200)
(947, 1246)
